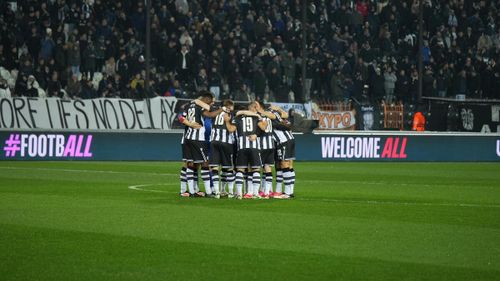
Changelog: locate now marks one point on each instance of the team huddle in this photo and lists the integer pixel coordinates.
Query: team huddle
(244, 146)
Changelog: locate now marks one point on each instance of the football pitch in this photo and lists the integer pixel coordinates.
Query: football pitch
(349, 221)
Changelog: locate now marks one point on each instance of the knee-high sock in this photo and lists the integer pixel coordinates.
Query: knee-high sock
(292, 184)
(268, 186)
(190, 181)
(222, 181)
(215, 179)
(239, 183)
(248, 183)
(230, 181)
(287, 178)
(279, 180)
(205, 176)
(195, 180)
(183, 180)
(256, 182)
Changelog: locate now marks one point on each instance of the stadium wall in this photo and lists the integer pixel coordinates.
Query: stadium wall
(155, 145)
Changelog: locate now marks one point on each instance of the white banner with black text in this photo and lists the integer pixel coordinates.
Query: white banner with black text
(97, 114)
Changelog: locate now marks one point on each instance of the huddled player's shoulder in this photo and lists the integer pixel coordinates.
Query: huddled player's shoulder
(277, 114)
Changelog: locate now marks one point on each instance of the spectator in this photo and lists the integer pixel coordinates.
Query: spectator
(122, 66)
(389, 84)
(274, 82)
(174, 90)
(33, 43)
(74, 58)
(60, 54)
(335, 85)
(243, 94)
(289, 68)
(137, 81)
(54, 86)
(237, 39)
(484, 42)
(428, 82)
(377, 85)
(100, 50)
(47, 46)
(260, 83)
(474, 85)
(88, 91)
(443, 82)
(89, 56)
(215, 81)
(184, 64)
(186, 40)
(133, 47)
(4, 89)
(110, 67)
(202, 80)
(21, 85)
(460, 83)
(402, 86)
(73, 88)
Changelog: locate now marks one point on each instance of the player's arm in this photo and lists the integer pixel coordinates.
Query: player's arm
(282, 112)
(201, 104)
(282, 126)
(185, 122)
(213, 114)
(262, 124)
(267, 114)
(229, 125)
(247, 113)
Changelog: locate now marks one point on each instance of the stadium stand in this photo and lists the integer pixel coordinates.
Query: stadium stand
(249, 49)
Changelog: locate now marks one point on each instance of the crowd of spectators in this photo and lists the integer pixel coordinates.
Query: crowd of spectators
(246, 49)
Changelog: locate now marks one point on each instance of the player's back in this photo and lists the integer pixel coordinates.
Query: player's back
(219, 132)
(266, 138)
(245, 127)
(194, 113)
(281, 134)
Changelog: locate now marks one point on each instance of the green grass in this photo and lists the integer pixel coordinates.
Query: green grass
(350, 221)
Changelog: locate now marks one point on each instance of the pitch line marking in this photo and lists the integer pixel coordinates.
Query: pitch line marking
(140, 187)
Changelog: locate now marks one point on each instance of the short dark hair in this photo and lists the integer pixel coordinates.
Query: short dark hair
(206, 94)
(261, 104)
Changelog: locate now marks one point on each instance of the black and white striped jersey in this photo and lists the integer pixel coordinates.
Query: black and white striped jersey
(280, 135)
(194, 113)
(219, 132)
(246, 126)
(266, 138)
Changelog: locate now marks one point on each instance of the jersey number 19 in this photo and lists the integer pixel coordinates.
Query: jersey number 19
(247, 124)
